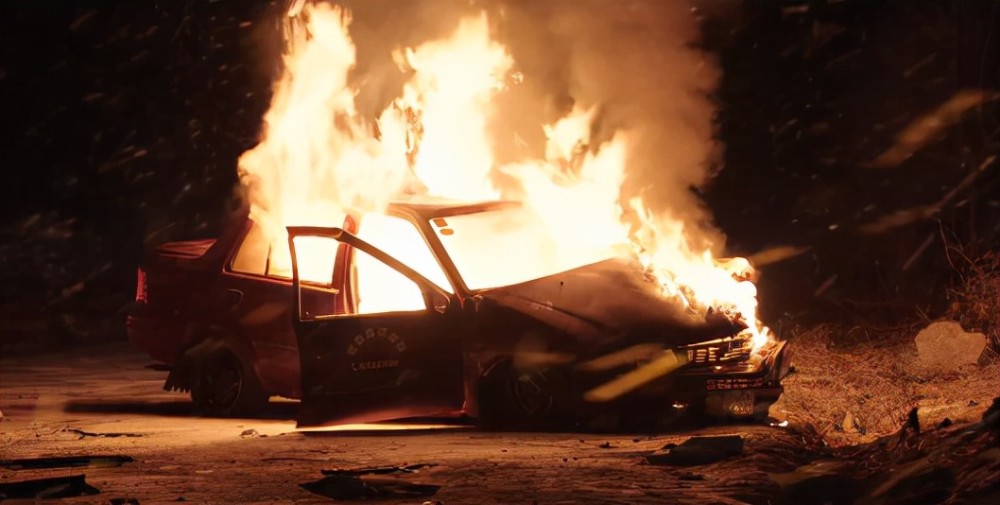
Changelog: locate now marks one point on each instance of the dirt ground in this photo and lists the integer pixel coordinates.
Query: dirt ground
(51, 403)
(106, 402)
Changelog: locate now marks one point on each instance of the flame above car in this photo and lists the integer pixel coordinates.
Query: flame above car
(320, 161)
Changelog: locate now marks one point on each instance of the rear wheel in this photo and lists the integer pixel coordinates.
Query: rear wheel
(223, 386)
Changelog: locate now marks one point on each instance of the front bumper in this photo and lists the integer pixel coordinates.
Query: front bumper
(725, 389)
(743, 389)
(764, 369)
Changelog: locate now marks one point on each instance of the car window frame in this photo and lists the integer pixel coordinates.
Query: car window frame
(429, 289)
(251, 224)
(432, 245)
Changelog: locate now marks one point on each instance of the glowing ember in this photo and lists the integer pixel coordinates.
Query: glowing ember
(320, 161)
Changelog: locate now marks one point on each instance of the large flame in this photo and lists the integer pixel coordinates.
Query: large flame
(319, 162)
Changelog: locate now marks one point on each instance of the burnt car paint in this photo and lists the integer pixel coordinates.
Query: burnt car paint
(364, 367)
(192, 304)
(462, 335)
(209, 307)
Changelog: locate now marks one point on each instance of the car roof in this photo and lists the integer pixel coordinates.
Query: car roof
(430, 207)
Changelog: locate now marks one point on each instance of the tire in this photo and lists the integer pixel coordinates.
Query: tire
(518, 398)
(222, 386)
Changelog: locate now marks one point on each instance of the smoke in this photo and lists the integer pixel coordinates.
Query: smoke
(380, 28)
(636, 61)
(593, 114)
(633, 64)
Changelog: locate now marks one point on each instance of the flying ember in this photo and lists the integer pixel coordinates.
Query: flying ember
(320, 160)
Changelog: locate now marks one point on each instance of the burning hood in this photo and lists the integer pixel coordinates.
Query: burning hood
(613, 297)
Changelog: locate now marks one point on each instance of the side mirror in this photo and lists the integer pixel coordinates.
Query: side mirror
(472, 304)
(437, 301)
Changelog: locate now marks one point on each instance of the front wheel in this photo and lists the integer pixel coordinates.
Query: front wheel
(519, 398)
(222, 386)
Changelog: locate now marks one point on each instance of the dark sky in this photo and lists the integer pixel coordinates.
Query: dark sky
(113, 108)
(122, 123)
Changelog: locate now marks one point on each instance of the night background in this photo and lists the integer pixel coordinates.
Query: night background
(122, 124)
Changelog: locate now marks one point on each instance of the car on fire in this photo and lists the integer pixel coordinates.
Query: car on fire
(417, 313)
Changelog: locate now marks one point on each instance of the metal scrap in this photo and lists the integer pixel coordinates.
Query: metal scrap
(64, 462)
(85, 434)
(53, 487)
(349, 487)
(698, 451)
(356, 483)
(378, 470)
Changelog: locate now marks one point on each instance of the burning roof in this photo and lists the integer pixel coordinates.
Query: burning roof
(321, 159)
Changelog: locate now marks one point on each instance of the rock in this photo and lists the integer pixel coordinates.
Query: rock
(848, 425)
(53, 487)
(945, 345)
(698, 451)
(347, 487)
(64, 462)
(690, 476)
(836, 489)
(250, 433)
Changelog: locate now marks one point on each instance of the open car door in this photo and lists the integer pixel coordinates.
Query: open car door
(389, 362)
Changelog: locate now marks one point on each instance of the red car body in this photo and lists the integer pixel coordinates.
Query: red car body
(189, 291)
(463, 351)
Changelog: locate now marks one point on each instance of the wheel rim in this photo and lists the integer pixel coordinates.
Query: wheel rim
(221, 383)
(530, 393)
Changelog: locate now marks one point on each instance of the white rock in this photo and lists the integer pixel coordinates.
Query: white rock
(945, 345)
(848, 424)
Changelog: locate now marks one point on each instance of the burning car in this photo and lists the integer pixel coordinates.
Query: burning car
(560, 295)
(414, 313)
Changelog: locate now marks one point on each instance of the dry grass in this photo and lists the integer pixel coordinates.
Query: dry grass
(975, 303)
(856, 384)
(856, 393)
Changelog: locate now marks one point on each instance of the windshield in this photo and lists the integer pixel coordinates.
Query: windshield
(507, 246)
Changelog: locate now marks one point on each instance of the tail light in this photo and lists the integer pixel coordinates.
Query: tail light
(140, 286)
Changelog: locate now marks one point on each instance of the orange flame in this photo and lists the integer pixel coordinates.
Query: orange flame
(320, 161)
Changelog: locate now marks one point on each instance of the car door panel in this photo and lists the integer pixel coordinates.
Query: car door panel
(370, 367)
(376, 367)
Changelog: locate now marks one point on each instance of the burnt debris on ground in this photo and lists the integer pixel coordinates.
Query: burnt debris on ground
(936, 465)
(84, 434)
(49, 488)
(698, 451)
(359, 483)
(123, 501)
(379, 470)
(350, 487)
(64, 462)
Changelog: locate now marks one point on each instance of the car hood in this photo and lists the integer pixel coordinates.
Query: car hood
(613, 297)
